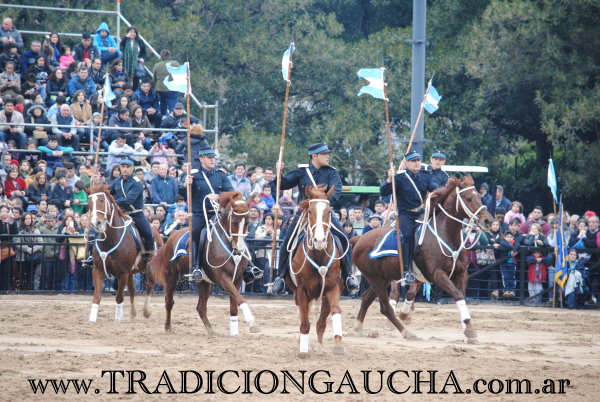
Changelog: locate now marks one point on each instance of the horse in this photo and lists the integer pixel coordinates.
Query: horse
(315, 270)
(112, 251)
(224, 259)
(440, 259)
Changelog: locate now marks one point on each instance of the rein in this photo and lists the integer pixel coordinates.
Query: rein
(473, 220)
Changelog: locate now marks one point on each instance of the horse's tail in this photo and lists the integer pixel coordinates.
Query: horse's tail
(159, 263)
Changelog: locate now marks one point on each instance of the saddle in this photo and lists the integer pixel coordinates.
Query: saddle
(388, 244)
(181, 247)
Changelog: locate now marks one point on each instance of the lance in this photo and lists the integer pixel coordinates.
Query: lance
(288, 83)
(189, 167)
(391, 157)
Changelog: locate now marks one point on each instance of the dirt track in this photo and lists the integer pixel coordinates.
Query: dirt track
(50, 337)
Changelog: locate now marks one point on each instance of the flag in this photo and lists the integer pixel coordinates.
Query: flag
(560, 274)
(432, 98)
(107, 92)
(552, 180)
(285, 61)
(180, 78)
(375, 78)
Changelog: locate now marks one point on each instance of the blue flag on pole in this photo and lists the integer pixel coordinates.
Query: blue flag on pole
(560, 274)
(107, 92)
(552, 180)
(432, 99)
(285, 61)
(180, 78)
(375, 78)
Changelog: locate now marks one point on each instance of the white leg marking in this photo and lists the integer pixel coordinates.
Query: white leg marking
(304, 343)
(406, 306)
(336, 321)
(248, 317)
(94, 313)
(233, 326)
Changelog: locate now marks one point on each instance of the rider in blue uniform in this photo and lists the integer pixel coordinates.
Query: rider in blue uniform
(439, 177)
(128, 192)
(317, 172)
(412, 185)
(207, 183)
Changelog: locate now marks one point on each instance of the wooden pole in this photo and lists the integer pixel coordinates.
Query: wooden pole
(278, 168)
(96, 169)
(189, 172)
(412, 136)
(391, 156)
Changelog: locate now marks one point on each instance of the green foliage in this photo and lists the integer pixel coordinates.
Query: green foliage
(518, 79)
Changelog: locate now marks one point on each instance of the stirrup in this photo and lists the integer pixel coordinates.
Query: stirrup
(196, 276)
(351, 283)
(252, 273)
(409, 278)
(278, 285)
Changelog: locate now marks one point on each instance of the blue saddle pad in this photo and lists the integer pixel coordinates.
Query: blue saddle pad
(135, 238)
(386, 246)
(181, 247)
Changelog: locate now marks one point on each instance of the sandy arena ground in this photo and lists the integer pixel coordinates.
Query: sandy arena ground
(45, 337)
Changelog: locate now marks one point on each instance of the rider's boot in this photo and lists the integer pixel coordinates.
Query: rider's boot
(149, 247)
(346, 265)
(196, 274)
(252, 273)
(279, 282)
(409, 277)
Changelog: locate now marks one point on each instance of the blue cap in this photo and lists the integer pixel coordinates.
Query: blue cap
(438, 154)
(319, 148)
(126, 161)
(412, 155)
(207, 151)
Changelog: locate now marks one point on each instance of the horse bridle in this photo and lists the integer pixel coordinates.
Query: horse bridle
(108, 208)
(473, 216)
(311, 229)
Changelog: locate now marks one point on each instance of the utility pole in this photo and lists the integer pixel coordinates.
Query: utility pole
(418, 71)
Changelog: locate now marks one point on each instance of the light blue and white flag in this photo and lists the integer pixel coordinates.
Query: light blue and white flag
(107, 92)
(375, 78)
(285, 61)
(432, 99)
(180, 78)
(552, 180)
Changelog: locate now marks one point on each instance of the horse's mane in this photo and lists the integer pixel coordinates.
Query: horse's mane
(440, 195)
(233, 199)
(103, 188)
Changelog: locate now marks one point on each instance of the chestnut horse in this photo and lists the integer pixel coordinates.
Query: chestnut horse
(112, 251)
(315, 270)
(441, 258)
(224, 259)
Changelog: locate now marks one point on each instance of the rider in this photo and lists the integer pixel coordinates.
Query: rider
(207, 183)
(412, 185)
(128, 191)
(317, 172)
(439, 177)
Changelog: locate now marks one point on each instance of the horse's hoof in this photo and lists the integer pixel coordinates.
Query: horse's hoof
(254, 328)
(409, 336)
(470, 333)
(210, 332)
(302, 355)
(473, 341)
(405, 318)
(319, 349)
(359, 333)
(169, 329)
(147, 313)
(373, 334)
(338, 350)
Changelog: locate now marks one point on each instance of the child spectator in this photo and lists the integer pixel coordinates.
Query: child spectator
(537, 274)
(66, 59)
(509, 267)
(62, 193)
(53, 154)
(267, 198)
(574, 288)
(534, 238)
(80, 198)
(14, 185)
(516, 211)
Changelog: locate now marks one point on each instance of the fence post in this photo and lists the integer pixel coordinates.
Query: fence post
(522, 268)
(118, 20)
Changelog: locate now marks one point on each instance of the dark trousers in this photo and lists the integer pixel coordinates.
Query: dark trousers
(198, 223)
(73, 142)
(142, 224)
(6, 268)
(408, 223)
(168, 99)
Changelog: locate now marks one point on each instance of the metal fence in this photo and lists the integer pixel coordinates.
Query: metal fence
(487, 283)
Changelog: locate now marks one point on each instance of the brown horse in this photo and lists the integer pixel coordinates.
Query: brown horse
(315, 270)
(224, 259)
(112, 251)
(441, 259)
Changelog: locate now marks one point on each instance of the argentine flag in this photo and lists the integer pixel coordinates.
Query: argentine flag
(107, 92)
(179, 75)
(375, 78)
(552, 180)
(432, 99)
(285, 61)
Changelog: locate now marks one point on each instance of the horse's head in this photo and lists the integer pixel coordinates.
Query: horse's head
(102, 207)
(319, 216)
(461, 197)
(237, 223)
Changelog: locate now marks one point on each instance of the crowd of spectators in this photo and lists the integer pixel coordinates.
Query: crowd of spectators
(51, 106)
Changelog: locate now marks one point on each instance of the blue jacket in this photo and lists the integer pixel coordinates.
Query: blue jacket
(28, 59)
(62, 194)
(75, 84)
(102, 44)
(163, 190)
(438, 176)
(200, 189)
(407, 196)
(130, 195)
(299, 177)
(147, 101)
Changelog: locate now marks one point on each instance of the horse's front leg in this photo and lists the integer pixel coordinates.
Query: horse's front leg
(322, 321)
(394, 294)
(233, 316)
(303, 307)
(123, 279)
(408, 304)
(203, 294)
(149, 289)
(98, 277)
(226, 283)
(389, 312)
(131, 288)
(333, 298)
(366, 301)
(442, 280)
